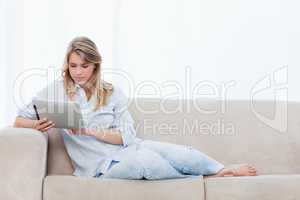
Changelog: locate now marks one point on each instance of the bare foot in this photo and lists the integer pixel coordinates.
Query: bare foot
(236, 170)
(242, 170)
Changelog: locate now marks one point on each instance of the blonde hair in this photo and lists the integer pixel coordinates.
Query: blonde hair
(88, 51)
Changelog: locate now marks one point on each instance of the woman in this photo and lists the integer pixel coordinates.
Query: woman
(107, 146)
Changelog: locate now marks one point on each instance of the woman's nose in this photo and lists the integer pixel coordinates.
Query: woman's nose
(78, 71)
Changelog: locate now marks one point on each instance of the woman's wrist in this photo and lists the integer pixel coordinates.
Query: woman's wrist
(34, 124)
(96, 133)
(90, 132)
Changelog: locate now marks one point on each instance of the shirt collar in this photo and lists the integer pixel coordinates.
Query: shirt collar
(77, 86)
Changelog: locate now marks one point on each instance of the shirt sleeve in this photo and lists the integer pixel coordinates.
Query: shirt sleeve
(123, 120)
(27, 111)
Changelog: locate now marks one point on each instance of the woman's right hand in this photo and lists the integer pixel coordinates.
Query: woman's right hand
(43, 124)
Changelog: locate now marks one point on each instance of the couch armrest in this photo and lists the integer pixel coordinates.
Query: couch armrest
(23, 157)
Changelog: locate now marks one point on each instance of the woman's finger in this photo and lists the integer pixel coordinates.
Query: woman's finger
(72, 131)
(48, 127)
(42, 121)
(40, 124)
(44, 125)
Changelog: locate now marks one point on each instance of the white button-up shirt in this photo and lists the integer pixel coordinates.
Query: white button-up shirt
(89, 155)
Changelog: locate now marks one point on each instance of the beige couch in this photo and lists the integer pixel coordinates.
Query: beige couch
(262, 133)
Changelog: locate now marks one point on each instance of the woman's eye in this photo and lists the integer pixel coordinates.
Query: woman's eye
(85, 66)
(72, 65)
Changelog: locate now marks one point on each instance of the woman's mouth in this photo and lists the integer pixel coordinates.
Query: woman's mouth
(79, 79)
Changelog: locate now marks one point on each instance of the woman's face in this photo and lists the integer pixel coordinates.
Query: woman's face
(80, 71)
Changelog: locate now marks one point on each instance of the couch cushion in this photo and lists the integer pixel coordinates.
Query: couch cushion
(265, 187)
(78, 188)
(59, 162)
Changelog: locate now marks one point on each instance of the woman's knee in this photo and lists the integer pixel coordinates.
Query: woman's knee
(128, 168)
(155, 166)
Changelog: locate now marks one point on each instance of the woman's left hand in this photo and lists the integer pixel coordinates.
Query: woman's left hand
(82, 131)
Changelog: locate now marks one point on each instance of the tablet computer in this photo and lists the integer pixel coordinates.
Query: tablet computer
(63, 114)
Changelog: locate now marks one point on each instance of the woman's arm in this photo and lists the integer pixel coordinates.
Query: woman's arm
(121, 131)
(111, 136)
(21, 122)
(41, 125)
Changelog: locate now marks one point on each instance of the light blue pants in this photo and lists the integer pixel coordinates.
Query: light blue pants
(160, 160)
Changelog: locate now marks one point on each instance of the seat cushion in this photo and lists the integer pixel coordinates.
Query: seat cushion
(78, 188)
(265, 187)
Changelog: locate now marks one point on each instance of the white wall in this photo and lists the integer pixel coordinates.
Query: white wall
(38, 35)
(241, 45)
(233, 40)
(11, 51)
(2, 58)
(293, 31)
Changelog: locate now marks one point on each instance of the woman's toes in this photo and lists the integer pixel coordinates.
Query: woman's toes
(244, 170)
(253, 173)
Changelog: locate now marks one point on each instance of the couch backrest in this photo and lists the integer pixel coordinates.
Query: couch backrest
(264, 133)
